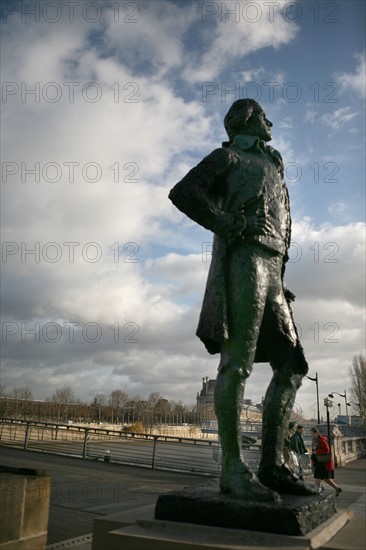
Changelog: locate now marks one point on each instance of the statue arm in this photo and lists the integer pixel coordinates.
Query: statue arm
(197, 194)
(290, 296)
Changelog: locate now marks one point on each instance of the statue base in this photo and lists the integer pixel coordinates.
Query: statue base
(205, 505)
(150, 534)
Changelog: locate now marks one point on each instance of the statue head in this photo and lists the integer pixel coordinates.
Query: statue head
(247, 117)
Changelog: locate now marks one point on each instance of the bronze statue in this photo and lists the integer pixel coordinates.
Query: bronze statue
(238, 193)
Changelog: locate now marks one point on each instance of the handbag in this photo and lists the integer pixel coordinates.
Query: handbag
(324, 458)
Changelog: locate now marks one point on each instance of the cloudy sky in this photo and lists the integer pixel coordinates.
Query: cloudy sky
(105, 106)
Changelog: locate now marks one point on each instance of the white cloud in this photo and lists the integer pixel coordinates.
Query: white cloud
(188, 272)
(339, 117)
(139, 139)
(355, 81)
(163, 298)
(286, 123)
(310, 114)
(252, 75)
(328, 261)
(237, 36)
(337, 208)
(156, 42)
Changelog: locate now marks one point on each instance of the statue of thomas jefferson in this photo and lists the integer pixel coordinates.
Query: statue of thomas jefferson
(238, 193)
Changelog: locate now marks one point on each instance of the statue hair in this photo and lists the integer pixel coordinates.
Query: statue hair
(238, 114)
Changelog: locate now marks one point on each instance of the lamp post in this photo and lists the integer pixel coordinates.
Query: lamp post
(345, 399)
(328, 403)
(317, 393)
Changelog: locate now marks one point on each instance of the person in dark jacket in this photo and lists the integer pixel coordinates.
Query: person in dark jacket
(298, 446)
(297, 442)
(287, 441)
(323, 471)
(238, 192)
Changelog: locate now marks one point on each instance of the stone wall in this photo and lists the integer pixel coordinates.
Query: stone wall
(347, 448)
(24, 507)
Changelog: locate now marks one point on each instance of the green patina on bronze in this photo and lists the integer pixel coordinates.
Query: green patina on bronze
(238, 192)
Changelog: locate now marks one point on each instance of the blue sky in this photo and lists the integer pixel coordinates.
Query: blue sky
(127, 97)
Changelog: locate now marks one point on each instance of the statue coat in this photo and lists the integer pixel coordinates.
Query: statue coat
(240, 174)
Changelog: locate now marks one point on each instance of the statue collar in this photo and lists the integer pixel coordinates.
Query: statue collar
(245, 142)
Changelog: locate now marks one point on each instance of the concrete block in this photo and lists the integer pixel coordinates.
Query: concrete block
(12, 490)
(168, 535)
(160, 535)
(36, 505)
(24, 508)
(103, 525)
(38, 542)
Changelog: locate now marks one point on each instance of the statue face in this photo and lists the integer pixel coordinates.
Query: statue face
(258, 125)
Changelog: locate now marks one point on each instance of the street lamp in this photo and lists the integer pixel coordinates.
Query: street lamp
(341, 395)
(317, 393)
(328, 403)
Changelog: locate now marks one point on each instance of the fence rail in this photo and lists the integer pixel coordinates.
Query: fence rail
(161, 452)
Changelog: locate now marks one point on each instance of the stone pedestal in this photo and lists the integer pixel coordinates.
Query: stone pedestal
(205, 505)
(137, 529)
(145, 534)
(24, 507)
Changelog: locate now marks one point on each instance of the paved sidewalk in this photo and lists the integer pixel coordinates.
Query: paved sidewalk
(352, 479)
(83, 491)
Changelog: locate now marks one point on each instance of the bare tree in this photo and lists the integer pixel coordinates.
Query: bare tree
(178, 412)
(117, 401)
(358, 383)
(4, 402)
(22, 396)
(162, 409)
(22, 393)
(150, 411)
(62, 397)
(135, 408)
(100, 401)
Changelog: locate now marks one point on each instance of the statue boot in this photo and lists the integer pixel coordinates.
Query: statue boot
(236, 477)
(277, 407)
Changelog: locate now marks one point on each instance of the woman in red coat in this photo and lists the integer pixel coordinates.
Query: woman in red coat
(323, 471)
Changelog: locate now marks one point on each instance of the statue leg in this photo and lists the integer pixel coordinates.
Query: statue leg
(229, 393)
(286, 356)
(246, 296)
(236, 477)
(278, 404)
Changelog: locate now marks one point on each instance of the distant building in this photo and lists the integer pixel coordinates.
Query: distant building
(206, 410)
(205, 400)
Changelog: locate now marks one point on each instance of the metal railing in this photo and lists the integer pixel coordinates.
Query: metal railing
(161, 452)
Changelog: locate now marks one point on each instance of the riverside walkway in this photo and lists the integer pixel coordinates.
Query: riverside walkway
(85, 490)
